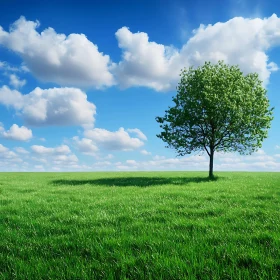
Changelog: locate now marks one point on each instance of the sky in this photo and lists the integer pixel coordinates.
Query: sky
(81, 82)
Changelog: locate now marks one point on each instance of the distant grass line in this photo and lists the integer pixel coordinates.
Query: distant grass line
(139, 225)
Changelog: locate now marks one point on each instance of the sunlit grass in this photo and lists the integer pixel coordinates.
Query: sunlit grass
(141, 225)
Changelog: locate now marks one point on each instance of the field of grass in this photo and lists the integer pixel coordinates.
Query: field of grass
(139, 225)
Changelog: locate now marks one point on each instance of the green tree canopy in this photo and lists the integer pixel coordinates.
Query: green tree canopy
(217, 108)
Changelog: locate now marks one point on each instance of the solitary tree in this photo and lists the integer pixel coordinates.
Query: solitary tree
(217, 108)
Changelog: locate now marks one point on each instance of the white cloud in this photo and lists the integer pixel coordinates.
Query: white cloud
(258, 156)
(161, 163)
(16, 82)
(5, 66)
(256, 161)
(145, 63)
(85, 146)
(41, 167)
(239, 41)
(67, 60)
(138, 133)
(157, 157)
(131, 162)
(109, 156)
(42, 160)
(54, 106)
(101, 164)
(144, 152)
(7, 156)
(21, 150)
(126, 167)
(38, 149)
(11, 98)
(117, 140)
(18, 133)
(61, 157)
(65, 159)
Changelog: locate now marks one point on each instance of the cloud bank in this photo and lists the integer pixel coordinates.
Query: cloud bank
(50, 107)
(52, 57)
(73, 60)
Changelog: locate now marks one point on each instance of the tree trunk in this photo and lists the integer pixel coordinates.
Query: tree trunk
(211, 175)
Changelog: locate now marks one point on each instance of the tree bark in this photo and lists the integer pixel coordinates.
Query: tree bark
(211, 163)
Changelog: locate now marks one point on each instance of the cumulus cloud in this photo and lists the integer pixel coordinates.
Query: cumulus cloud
(145, 152)
(73, 60)
(54, 106)
(70, 60)
(239, 41)
(16, 82)
(85, 146)
(18, 133)
(138, 133)
(7, 156)
(63, 149)
(11, 98)
(61, 157)
(193, 162)
(259, 160)
(113, 140)
(21, 150)
(145, 63)
(65, 159)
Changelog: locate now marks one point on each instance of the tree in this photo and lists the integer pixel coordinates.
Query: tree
(217, 108)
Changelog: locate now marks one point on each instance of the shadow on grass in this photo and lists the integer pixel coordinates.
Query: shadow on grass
(133, 181)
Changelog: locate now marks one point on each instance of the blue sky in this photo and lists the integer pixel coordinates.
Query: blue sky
(81, 82)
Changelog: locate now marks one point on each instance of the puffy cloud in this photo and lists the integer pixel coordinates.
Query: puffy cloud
(11, 98)
(16, 82)
(67, 60)
(138, 133)
(257, 161)
(54, 106)
(18, 133)
(85, 146)
(117, 140)
(131, 162)
(38, 149)
(144, 152)
(7, 156)
(239, 41)
(102, 164)
(65, 159)
(40, 167)
(157, 157)
(161, 163)
(109, 156)
(21, 150)
(61, 157)
(145, 63)
(258, 156)
(74, 60)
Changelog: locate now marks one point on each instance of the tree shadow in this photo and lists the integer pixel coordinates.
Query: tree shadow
(133, 181)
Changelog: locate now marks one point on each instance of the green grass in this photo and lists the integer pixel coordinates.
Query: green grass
(141, 225)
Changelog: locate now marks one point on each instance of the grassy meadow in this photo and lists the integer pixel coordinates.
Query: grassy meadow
(139, 225)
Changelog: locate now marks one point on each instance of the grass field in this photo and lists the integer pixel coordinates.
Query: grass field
(139, 225)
